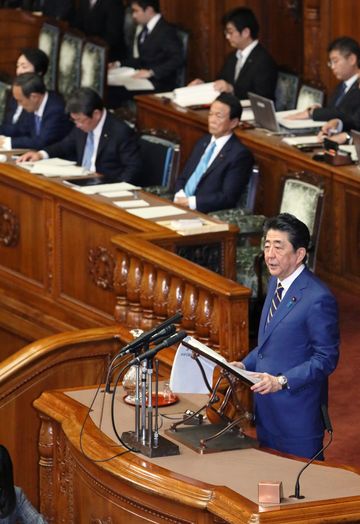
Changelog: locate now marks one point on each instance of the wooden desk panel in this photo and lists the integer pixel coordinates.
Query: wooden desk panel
(57, 260)
(339, 249)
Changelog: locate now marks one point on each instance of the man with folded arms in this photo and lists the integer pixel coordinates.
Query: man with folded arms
(99, 141)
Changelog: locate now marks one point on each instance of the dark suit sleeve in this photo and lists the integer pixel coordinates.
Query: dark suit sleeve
(234, 179)
(65, 148)
(54, 126)
(346, 109)
(129, 157)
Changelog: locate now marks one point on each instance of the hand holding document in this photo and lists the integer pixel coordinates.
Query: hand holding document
(303, 123)
(202, 94)
(186, 376)
(127, 77)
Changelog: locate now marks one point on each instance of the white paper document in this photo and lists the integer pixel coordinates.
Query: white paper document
(100, 188)
(297, 140)
(194, 226)
(117, 193)
(124, 76)
(202, 94)
(157, 211)
(131, 203)
(185, 373)
(350, 149)
(53, 167)
(304, 123)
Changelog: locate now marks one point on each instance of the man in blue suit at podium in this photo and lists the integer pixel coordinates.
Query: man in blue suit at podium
(297, 347)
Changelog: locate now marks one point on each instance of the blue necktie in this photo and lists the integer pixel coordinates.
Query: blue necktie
(37, 124)
(275, 302)
(89, 150)
(195, 178)
(341, 94)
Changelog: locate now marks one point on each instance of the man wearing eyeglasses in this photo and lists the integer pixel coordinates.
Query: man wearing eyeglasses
(250, 67)
(344, 61)
(99, 141)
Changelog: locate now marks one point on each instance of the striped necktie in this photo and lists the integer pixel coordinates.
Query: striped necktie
(195, 178)
(238, 65)
(275, 302)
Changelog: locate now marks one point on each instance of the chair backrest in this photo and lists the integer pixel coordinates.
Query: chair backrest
(160, 153)
(308, 96)
(286, 90)
(5, 90)
(69, 66)
(247, 199)
(93, 67)
(49, 42)
(302, 196)
(181, 73)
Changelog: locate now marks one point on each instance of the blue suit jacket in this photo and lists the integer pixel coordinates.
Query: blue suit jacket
(21, 127)
(347, 107)
(118, 156)
(55, 124)
(221, 185)
(301, 342)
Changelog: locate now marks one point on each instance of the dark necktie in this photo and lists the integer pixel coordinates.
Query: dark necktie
(142, 36)
(341, 94)
(275, 302)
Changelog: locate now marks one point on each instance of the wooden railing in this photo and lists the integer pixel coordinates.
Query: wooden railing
(152, 284)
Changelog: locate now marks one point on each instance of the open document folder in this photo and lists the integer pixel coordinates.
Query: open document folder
(124, 76)
(186, 376)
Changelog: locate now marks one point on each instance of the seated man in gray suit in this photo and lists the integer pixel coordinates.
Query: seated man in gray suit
(99, 141)
(44, 121)
(219, 166)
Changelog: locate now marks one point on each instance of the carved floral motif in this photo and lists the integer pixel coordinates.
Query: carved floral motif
(9, 227)
(102, 265)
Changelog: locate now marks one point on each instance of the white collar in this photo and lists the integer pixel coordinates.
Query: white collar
(348, 83)
(244, 53)
(286, 283)
(152, 22)
(39, 112)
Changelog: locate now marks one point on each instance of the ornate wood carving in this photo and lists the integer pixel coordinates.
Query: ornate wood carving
(102, 265)
(46, 463)
(9, 227)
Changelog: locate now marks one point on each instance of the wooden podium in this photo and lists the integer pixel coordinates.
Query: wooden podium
(79, 488)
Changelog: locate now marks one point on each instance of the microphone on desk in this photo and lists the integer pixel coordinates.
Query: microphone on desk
(160, 331)
(329, 429)
(177, 337)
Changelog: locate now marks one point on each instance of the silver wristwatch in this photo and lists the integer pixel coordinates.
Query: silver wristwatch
(283, 381)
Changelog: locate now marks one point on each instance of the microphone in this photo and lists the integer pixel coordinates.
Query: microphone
(329, 429)
(164, 344)
(148, 335)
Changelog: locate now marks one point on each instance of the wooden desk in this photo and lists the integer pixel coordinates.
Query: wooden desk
(186, 488)
(339, 249)
(57, 258)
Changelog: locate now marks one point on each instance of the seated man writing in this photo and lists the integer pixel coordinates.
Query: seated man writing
(99, 141)
(219, 166)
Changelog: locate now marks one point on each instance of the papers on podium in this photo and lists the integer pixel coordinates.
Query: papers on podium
(124, 76)
(304, 123)
(186, 376)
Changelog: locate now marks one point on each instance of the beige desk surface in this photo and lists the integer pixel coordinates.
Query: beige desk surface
(240, 470)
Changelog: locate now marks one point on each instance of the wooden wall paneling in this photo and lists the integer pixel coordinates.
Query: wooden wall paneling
(18, 29)
(202, 19)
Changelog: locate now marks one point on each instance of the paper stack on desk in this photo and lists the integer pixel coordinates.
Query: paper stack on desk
(53, 167)
(202, 94)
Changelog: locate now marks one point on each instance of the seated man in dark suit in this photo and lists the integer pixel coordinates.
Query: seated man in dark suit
(31, 60)
(344, 60)
(250, 67)
(46, 121)
(219, 166)
(160, 50)
(99, 141)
